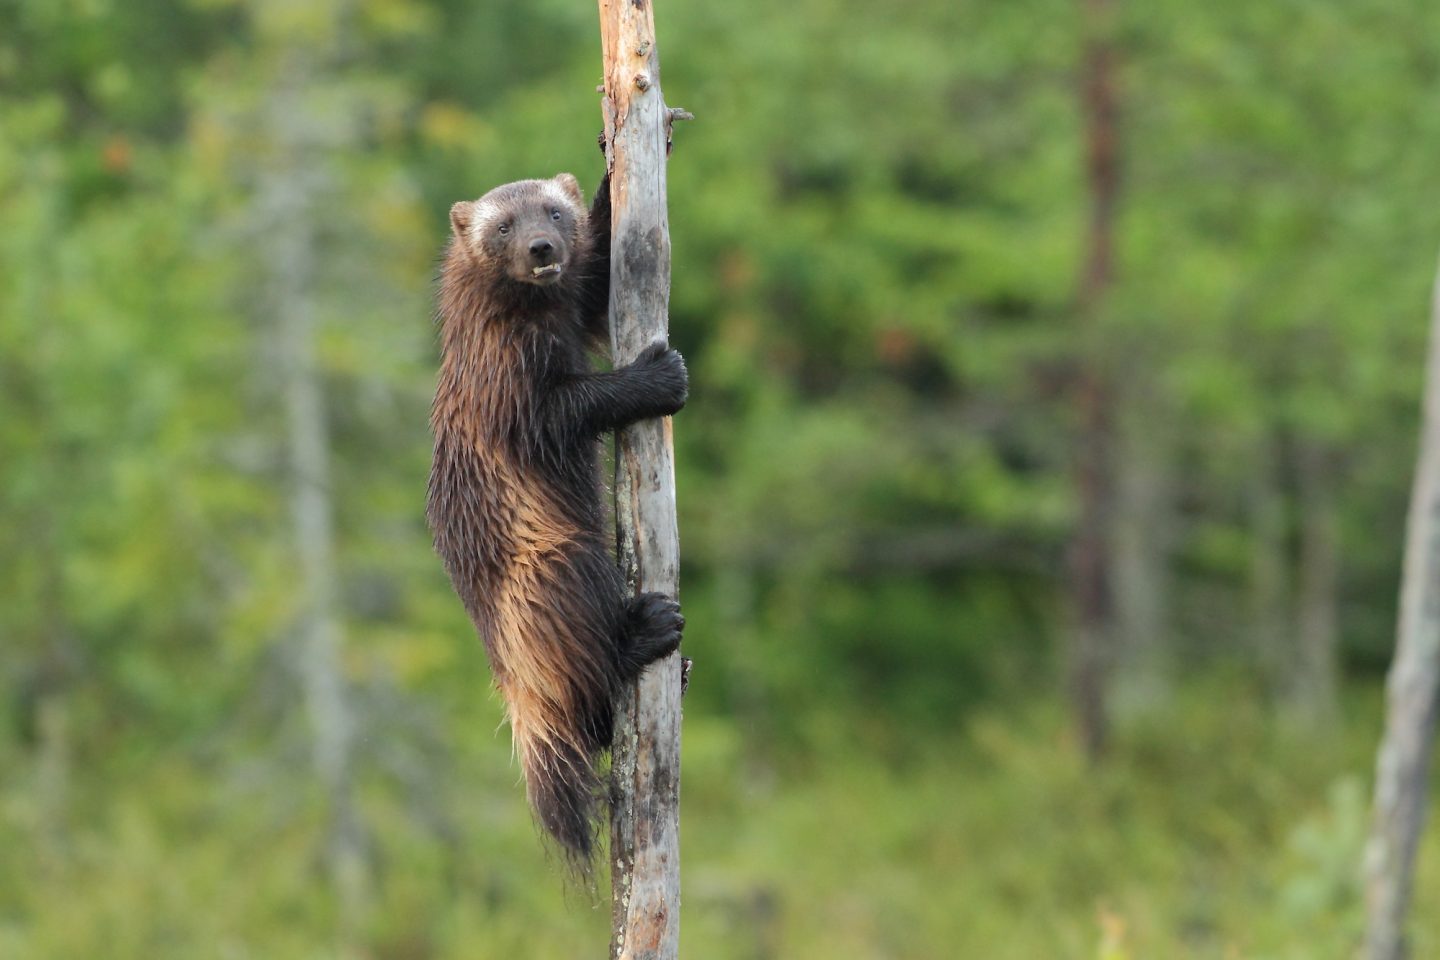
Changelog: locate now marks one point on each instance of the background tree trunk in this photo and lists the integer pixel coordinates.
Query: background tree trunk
(1090, 554)
(290, 191)
(1404, 756)
(1266, 510)
(645, 824)
(1142, 530)
(1315, 683)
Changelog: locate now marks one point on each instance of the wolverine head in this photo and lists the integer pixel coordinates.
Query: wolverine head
(526, 231)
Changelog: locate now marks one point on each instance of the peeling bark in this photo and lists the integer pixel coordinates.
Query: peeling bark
(645, 820)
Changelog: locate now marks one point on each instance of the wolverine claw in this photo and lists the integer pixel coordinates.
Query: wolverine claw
(664, 370)
(653, 630)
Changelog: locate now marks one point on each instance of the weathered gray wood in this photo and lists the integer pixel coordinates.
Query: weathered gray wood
(1404, 757)
(645, 822)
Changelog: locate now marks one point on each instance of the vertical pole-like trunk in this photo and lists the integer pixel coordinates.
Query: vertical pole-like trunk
(1269, 565)
(290, 187)
(1402, 766)
(645, 820)
(1141, 532)
(1090, 553)
(1314, 684)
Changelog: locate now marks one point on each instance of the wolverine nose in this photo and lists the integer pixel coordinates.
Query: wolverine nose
(542, 250)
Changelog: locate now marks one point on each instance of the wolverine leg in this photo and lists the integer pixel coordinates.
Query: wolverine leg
(650, 628)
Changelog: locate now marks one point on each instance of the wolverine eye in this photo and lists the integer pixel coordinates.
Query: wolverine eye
(555, 215)
(504, 229)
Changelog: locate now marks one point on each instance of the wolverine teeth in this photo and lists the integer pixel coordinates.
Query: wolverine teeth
(547, 269)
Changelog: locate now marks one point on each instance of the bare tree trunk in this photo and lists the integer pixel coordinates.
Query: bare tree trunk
(1141, 537)
(1090, 554)
(1269, 566)
(1402, 766)
(645, 823)
(290, 189)
(1314, 683)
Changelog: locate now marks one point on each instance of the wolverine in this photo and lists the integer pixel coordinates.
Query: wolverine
(515, 490)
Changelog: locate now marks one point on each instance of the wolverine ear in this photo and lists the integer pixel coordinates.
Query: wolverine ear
(570, 185)
(460, 217)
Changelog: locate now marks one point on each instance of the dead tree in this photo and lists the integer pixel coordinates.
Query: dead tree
(1403, 763)
(645, 818)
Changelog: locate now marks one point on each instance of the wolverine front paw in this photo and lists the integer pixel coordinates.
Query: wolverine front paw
(664, 372)
(653, 630)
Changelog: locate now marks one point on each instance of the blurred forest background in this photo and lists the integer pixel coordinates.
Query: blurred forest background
(245, 717)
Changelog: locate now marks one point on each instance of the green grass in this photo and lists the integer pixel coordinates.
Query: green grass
(1211, 831)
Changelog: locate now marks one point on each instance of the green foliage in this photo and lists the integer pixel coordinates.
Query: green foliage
(1208, 834)
(877, 223)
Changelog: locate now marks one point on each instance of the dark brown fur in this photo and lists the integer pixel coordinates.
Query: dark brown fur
(514, 498)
